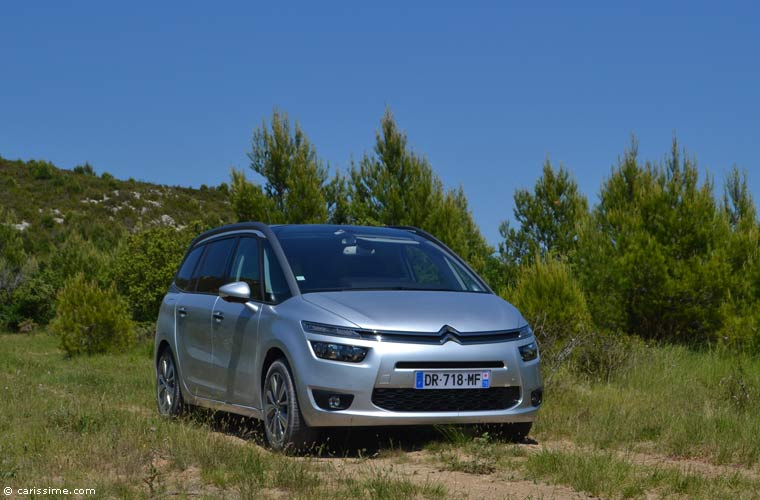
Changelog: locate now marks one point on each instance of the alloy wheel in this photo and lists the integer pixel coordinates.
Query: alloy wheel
(276, 408)
(167, 384)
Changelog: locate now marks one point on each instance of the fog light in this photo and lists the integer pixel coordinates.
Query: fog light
(529, 352)
(537, 397)
(339, 352)
(333, 402)
(328, 400)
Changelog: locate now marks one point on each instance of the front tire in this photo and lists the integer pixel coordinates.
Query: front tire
(284, 425)
(168, 393)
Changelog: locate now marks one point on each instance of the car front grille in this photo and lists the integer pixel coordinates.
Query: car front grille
(441, 337)
(434, 400)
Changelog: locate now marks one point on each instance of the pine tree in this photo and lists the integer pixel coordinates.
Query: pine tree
(249, 201)
(294, 177)
(652, 257)
(547, 218)
(396, 186)
(737, 201)
(338, 202)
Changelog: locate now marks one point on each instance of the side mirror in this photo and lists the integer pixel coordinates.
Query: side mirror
(239, 292)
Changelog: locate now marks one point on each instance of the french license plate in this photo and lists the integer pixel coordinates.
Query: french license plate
(475, 379)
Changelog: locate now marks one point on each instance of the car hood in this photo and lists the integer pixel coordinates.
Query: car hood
(420, 311)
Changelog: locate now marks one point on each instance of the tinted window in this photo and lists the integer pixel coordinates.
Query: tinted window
(185, 273)
(213, 269)
(245, 266)
(275, 287)
(425, 271)
(349, 259)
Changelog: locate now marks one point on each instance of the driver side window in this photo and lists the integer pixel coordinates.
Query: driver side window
(246, 265)
(275, 286)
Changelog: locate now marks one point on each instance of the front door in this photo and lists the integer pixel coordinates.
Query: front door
(194, 319)
(235, 329)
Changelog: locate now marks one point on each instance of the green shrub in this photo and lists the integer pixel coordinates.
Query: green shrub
(15, 267)
(76, 255)
(90, 319)
(41, 170)
(655, 259)
(603, 355)
(85, 169)
(547, 294)
(549, 297)
(145, 265)
(33, 300)
(93, 227)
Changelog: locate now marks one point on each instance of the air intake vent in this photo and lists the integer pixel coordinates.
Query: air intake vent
(434, 400)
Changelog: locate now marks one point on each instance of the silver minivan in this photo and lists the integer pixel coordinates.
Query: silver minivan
(309, 326)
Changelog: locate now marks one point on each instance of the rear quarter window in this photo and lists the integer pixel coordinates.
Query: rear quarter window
(185, 274)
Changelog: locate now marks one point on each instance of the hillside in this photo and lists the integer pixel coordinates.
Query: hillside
(46, 203)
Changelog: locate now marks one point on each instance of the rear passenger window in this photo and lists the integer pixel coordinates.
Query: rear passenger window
(213, 269)
(245, 266)
(185, 273)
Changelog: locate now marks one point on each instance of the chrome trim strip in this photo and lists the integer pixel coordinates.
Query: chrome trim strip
(445, 334)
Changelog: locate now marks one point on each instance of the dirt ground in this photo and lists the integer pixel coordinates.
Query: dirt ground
(411, 461)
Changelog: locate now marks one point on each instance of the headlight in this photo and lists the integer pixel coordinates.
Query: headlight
(529, 352)
(322, 329)
(339, 352)
(525, 332)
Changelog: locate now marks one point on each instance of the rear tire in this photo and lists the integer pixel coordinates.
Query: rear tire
(168, 393)
(284, 425)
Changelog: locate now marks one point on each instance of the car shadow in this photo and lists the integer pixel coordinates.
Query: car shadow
(353, 442)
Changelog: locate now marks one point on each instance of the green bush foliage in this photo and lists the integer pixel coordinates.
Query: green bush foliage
(85, 169)
(659, 256)
(396, 186)
(603, 355)
(392, 186)
(33, 300)
(90, 319)
(102, 211)
(550, 298)
(547, 218)
(295, 176)
(145, 265)
(15, 267)
(41, 170)
(654, 260)
(77, 255)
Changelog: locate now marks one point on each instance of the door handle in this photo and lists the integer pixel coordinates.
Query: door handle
(182, 312)
(218, 316)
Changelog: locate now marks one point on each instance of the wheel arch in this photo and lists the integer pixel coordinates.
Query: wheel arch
(162, 346)
(273, 353)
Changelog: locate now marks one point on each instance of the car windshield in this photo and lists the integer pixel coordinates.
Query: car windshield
(349, 260)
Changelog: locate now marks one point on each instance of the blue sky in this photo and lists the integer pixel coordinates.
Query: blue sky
(171, 93)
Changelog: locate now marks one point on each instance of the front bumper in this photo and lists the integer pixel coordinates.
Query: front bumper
(378, 370)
